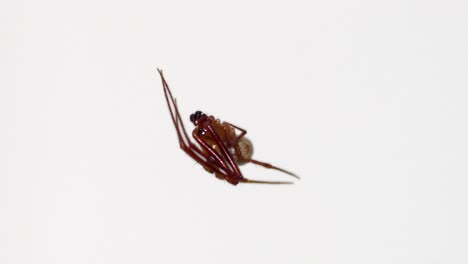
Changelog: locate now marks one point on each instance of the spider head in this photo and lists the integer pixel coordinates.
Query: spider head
(195, 117)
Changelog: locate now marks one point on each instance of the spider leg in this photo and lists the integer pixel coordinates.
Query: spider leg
(265, 182)
(224, 150)
(243, 132)
(217, 158)
(205, 163)
(176, 119)
(220, 169)
(186, 144)
(269, 166)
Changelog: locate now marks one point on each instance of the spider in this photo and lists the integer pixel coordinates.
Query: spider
(220, 150)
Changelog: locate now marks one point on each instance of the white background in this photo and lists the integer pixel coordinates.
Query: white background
(365, 100)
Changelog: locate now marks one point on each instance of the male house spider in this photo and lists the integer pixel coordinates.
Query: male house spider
(219, 149)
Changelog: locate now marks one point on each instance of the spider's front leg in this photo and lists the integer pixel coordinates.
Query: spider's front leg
(186, 144)
(232, 173)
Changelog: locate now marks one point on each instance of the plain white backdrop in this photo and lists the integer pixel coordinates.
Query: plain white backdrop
(365, 100)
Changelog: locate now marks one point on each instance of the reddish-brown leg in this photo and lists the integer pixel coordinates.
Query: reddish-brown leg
(167, 94)
(186, 145)
(204, 160)
(243, 132)
(216, 157)
(224, 150)
(269, 166)
(265, 182)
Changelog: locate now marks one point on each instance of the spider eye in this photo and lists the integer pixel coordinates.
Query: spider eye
(195, 116)
(201, 131)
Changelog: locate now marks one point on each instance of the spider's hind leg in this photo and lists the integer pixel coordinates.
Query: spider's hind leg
(269, 166)
(265, 182)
